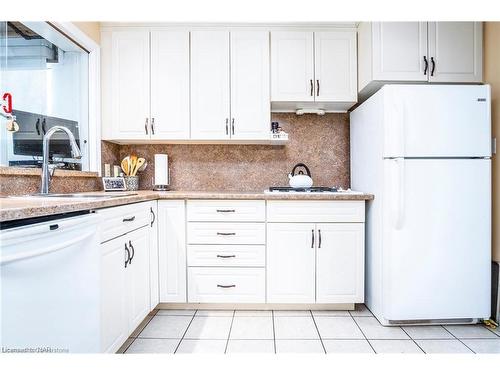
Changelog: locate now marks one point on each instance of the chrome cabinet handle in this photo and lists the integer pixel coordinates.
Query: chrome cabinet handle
(226, 286)
(133, 251)
(226, 233)
(218, 210)
(226, 256)
(232, 125)
(426, 65)
(154, 216)
(319, 239)
(312, 87)
(131, 218)
(317, 87)
(127, 253)
(312, 239)
(227, 126)
(146, 125)
(433, 66)
(153, 126)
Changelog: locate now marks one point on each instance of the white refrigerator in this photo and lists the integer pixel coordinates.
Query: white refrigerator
(424, 152)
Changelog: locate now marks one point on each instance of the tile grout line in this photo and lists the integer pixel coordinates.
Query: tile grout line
(189, 325)
(317, 330)
(355, 322)
(229, 334)
(136, 337)
(411, 338)
(463, 343)
(274, 332)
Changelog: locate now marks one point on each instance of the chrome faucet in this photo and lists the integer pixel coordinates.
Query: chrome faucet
(48, 170)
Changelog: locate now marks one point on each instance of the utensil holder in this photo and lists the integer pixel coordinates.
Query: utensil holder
(132, 182)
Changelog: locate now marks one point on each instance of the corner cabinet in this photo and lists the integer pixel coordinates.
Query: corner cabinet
(145, 84)
(313, 69)
(445, 52)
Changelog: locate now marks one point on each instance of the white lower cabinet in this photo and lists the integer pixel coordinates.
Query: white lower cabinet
(339, 263)
(172, 250)
(125, 286)
(113, 295)
(315, 262)
(290, 263)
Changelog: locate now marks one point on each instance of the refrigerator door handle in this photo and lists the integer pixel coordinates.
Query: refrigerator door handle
(400, 198)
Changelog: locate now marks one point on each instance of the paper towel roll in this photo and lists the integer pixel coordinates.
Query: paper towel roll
(161, 170)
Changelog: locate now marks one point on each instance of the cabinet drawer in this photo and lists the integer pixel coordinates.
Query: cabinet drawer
(123, 219)
(227, 255)
(226, 233)
(226, 210)
(316, 211)
(226, 285)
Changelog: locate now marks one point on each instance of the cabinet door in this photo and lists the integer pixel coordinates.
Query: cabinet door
(137, 275)
(210, 85)
(457, 50)
(169, 84)
(114, 318)
(335, 66)
(290, 263)
(172, 250)
(126, 85)
(153, 257)
(250, 101)
(292, 66)
(340, 263)
(398, 51)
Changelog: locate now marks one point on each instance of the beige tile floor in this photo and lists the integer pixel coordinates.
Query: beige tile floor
(229, 331)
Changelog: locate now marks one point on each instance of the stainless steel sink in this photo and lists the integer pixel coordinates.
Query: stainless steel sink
(76, 195)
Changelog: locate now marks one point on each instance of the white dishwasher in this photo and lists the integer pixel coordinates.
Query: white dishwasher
(49, 285)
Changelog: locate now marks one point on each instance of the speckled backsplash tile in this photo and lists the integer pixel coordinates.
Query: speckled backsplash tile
(320, 142)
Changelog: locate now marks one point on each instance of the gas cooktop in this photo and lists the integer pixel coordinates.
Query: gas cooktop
(314, 189)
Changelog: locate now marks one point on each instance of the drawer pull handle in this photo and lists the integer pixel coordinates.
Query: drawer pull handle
(225, 211)
(226, 286)
(132, 218)
(226, 256)
(226, 234)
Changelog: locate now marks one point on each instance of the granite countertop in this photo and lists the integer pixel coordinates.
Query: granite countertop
(22, 207)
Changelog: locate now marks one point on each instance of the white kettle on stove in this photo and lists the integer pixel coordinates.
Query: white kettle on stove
(300, 180)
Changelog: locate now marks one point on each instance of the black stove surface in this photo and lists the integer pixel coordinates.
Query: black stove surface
(313, 189)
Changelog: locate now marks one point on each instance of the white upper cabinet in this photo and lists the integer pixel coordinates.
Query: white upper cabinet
(456, 50)
(292, 66)
(335, 66)
(169, 84)
(250, 97)
(125, 70)
(313, 69)
(210, 100)
(448, 52)
(400, 52)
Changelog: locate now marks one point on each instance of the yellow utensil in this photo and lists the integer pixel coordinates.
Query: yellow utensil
(133, 162)
(138, 165)
(125, 164)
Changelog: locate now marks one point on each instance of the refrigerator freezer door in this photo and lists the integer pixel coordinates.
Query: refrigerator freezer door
(436, 239)
(437, 121)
